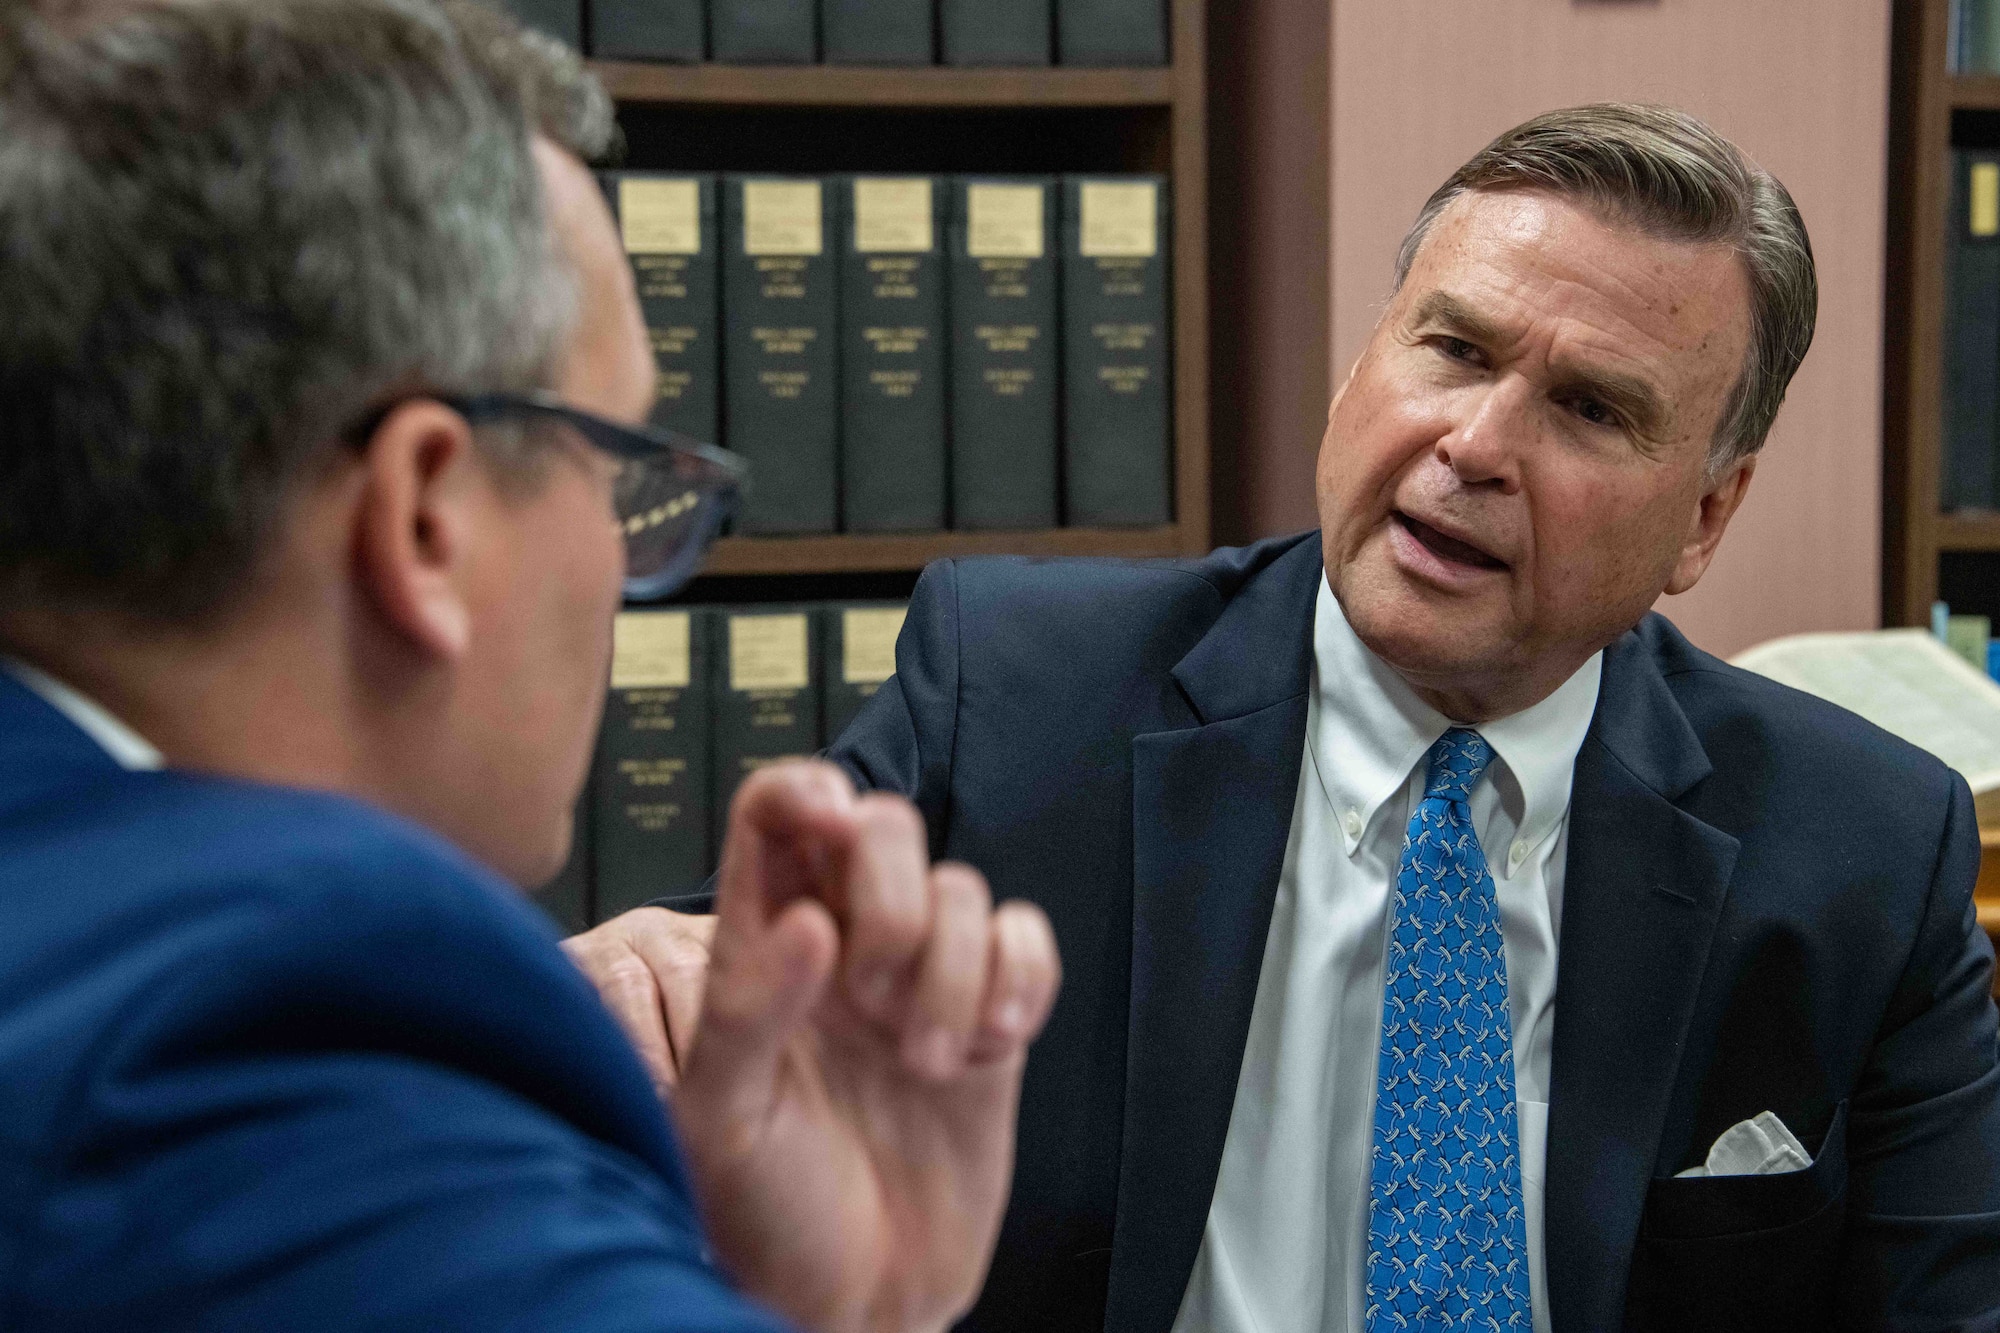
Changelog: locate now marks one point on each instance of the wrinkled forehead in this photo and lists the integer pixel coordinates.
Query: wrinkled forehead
(1541, 269)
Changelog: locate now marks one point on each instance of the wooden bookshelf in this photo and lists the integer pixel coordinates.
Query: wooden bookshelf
(847, 86)
(1926, 550)
(1966, 532)
(828, 119)
(867, 552)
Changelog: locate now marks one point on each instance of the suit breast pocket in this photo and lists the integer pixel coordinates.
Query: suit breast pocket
(1743, 1252)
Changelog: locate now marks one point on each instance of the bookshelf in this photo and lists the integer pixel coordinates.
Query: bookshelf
(855, 553)
(826, 119)
(916, 86)
(1928, 552)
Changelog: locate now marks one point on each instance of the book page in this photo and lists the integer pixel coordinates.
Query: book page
(1905, 682)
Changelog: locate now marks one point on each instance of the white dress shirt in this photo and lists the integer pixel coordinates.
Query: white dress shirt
(1286, 1245)
(126, 746)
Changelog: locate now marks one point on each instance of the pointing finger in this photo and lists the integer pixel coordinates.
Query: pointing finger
(786, 824)
(887, 909)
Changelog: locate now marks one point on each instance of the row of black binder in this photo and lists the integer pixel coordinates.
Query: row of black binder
(860, 32)
(700, 698)
(1971, 415)
(910, 353)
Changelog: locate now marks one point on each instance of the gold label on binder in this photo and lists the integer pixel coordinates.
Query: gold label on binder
(1003, 221)
(868, 643)
(781, 218)
(892, 214)
(660, 217)
(1121, 219)
(768, 652)
(650, 651)
(1985, 220)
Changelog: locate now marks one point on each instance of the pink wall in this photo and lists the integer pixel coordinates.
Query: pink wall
(1417, 86)
(1268, 276)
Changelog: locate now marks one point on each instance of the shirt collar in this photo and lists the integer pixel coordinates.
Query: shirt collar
(127, 747)
(1371, 731)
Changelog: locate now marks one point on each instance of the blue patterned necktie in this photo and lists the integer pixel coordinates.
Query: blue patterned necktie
(1447, 1239)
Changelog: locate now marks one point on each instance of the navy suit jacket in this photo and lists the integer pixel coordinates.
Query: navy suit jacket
(277, 1062)
(1767, 906)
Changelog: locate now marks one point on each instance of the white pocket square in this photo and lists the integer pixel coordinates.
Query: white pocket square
(1759, 1147)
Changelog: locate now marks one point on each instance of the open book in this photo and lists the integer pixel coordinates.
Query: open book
(1907, 683)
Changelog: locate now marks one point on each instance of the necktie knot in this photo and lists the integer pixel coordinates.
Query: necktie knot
(1456, 762)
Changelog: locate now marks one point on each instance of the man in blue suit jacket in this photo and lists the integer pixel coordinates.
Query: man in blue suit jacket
(319, 378)
(1770, 911)
(1728, 915)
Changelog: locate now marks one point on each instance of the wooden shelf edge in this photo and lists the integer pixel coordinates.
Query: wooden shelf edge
(860, 553)
(1973, 92)
(1986, 893)
(903, 86)
(1967, 532)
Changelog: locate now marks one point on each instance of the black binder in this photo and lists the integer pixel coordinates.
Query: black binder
(1004, 362)
(667, 222)
(995, 32)
(560, 19)
(763, 32)
(857, 657)
(766, 693)
(1972, 332)
(653, 762)
(673, 30)
(892, 354)
(1110, 32)
(781, 358)
(878, 32)
(1117, 404)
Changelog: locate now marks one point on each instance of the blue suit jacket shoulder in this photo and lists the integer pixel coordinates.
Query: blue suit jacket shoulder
(1059, 662)
(271, 1059)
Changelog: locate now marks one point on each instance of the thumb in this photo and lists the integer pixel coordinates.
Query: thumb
(761, 988)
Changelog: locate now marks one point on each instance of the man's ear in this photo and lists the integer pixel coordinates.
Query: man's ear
(1718, 504)
(414, 525)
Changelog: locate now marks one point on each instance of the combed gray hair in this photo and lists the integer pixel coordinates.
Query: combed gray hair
(1665, 172)
(227, 229)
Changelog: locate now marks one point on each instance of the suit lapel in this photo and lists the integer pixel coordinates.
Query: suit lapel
(1212, 808)
(1644, 886)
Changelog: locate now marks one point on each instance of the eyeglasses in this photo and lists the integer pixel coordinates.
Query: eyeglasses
(672, 494)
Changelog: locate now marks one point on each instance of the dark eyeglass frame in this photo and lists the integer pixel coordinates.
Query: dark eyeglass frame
(715, 474)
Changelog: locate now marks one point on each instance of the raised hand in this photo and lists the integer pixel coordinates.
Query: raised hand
(849, 1101)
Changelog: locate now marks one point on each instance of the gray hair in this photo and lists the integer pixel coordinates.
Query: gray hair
(228, 228)
(1668, 174)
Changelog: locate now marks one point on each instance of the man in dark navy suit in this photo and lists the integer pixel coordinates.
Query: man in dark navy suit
(1450, 944)
(320, 365)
